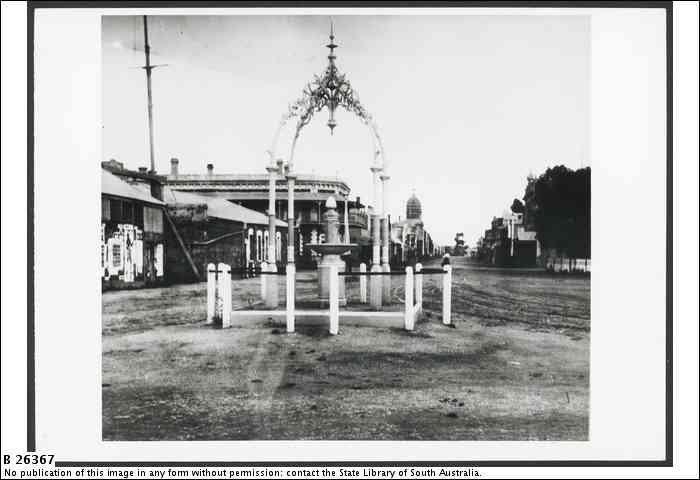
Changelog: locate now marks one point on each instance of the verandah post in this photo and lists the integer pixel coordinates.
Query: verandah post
(211, 293)
(333, 292)
(447, 295)
(409, 310)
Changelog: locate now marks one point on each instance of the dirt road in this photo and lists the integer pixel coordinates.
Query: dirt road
(514, 368)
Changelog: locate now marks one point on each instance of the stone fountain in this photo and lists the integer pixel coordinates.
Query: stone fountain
(331, 252)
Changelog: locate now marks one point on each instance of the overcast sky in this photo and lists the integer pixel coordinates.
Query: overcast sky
(466, 106)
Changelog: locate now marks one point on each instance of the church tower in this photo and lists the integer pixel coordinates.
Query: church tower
(414, 210)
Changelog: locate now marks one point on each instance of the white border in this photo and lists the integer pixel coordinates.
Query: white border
(627, 375)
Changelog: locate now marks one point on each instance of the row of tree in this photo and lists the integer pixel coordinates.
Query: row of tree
(557, 205)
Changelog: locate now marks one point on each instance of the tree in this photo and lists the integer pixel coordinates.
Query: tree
(558, 206)
(517, 206)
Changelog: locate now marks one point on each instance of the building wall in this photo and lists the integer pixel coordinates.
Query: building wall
(209, 240)
(196, 228)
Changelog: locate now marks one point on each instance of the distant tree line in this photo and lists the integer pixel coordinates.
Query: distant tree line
(557, 205)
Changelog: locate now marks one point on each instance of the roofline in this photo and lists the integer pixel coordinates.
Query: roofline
(261, 177)
(134, 173)
(133, 199)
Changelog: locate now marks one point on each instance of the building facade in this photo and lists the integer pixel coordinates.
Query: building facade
(410, 241)
(132, 234)
(213, 230)
(310, 194)
(509, 243)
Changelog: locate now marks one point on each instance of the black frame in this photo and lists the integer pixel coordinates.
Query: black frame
(31, 404)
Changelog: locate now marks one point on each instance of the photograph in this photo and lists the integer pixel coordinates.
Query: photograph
(345, 227)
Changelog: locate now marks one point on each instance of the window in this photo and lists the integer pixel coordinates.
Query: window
(127, 212)
(115, 210)
(138, 215)
(105, 209)
(152, 220)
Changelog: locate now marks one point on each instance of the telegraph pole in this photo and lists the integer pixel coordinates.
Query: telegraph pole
(148, 67)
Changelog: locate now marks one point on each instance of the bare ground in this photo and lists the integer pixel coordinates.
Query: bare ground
(516, 367)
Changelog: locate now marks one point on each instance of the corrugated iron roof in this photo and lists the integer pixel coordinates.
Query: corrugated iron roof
(219, 207)
(113, 185)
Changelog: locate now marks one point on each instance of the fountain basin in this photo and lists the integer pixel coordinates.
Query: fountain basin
(332, 248)
(330, 256)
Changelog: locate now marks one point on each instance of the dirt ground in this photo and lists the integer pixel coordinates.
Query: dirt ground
(515, 367)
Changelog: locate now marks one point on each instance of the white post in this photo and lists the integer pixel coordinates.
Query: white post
(346, 238)
(447, 295)
(291, 270)
(408, 316)
(375, 282)
(333, 292)
(386, 237)
(211, 293)
(271, 296)
(386, 284)
(225, 290)
(291, 178)
(363, 283)
(263, 281)
(419, 287)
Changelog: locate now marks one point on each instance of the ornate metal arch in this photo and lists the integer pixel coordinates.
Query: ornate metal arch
(330, 90)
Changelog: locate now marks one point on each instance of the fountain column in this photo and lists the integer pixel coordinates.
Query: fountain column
(375, 284)
(271, 294)
(386, 267)
(331, 251)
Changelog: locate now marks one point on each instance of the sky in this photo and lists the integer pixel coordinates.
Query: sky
(467, 106)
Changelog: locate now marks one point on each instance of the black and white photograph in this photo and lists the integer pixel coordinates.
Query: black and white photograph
(349, 240)
(345, 227)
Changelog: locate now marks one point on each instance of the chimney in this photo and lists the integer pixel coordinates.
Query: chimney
(357, 201)
(210, 169)
(143, 169)
(174, 164)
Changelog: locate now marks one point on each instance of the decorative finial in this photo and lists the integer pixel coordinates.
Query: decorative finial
(333, 81)
(331, 46)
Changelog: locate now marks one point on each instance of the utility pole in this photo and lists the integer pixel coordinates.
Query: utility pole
(148, 67)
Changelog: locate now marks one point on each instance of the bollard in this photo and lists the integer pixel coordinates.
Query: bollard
(408, 316)
(263, 281)
(333, 292)
(226, 294)
(271, 297)
(211, 293)
(386, 285)
(447, 295)
(375, 288)
(419, 287)
(291, 270)
(363, 283)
